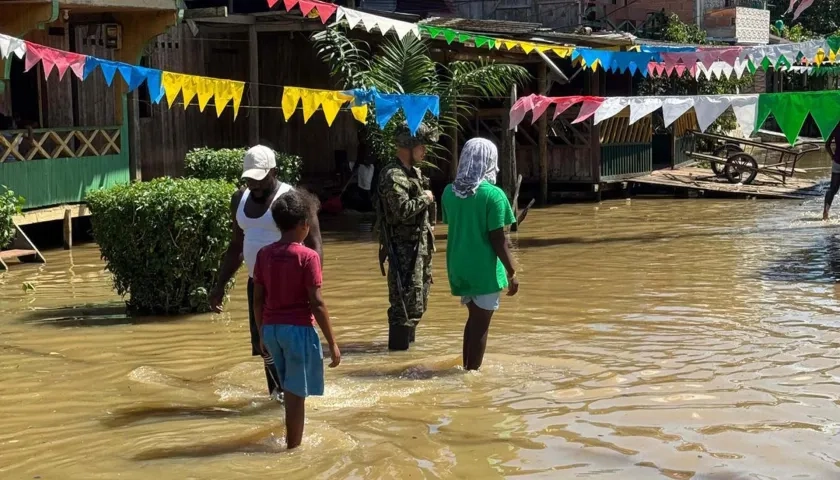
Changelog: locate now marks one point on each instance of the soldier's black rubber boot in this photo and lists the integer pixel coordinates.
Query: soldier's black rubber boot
(399, 337)
(413, 332)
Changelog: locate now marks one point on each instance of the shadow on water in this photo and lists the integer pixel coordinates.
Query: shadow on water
(90, 316)
(259, 440)
(168, 412)
(818, 263)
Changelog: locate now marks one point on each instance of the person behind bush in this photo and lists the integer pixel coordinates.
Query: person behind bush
(478, 258)
(253, 228)
(288, 303)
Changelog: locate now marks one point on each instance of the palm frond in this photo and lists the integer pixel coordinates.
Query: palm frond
(346, 58)
(403, 66)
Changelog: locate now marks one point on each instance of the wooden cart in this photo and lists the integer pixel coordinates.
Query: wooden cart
(735, 158)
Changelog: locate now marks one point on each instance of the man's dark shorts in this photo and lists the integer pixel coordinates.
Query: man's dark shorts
(255, 334)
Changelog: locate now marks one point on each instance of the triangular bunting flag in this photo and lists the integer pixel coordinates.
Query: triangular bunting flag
(189, 90)
(674, 108)
(360, 113)
(237, 90)
(745, 108)
(291, 98)
(824, 111)
(589, 107)
(611, 107)
(386, 107)
(643, 106)
(310, 101)
(708, 108)
(172, 85)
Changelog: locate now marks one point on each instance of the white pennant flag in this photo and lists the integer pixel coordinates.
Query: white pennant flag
(675, 107)
(708, 108)
(11, 45)
(746, 109)
(641, 107)
(611, 107)
(353, 17)
(404, 28)
(339, 14)
(739, 67)
(372, 21)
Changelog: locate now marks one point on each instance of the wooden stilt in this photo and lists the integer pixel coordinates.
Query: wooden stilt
(253, 86)
(542, 80)
(68, 229)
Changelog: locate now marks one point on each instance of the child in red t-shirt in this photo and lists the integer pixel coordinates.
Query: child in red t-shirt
(287, 303)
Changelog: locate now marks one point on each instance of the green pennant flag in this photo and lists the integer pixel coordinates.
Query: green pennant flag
(824, 111)
(464, 37)
(433, 32)
(481, 41)
(833, 43)
(449, 35)
(783, 62)
(751, 67)
(789, 109)
(765, 63)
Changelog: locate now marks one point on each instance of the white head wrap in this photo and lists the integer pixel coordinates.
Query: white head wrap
(479, 162)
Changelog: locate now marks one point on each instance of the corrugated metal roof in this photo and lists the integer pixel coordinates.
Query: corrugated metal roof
(484, 26)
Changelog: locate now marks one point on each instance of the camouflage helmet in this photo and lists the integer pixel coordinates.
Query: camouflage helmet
(424, 135)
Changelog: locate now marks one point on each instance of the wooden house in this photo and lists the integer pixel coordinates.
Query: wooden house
(62, 138)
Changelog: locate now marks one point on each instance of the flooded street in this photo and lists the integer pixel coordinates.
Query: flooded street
(657, 338)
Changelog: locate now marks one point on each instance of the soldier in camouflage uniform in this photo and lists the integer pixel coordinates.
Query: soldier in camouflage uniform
(406, 211)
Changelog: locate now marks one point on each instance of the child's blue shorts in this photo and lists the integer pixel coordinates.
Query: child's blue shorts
(298, 358)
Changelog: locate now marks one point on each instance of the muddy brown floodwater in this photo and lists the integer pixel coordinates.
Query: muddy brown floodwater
(657, 338)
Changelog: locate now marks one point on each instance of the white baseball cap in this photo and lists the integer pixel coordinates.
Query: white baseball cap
(258, 162)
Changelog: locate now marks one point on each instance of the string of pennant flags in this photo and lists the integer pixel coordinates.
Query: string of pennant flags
(162, 84)
(655, 60)
(790, 110)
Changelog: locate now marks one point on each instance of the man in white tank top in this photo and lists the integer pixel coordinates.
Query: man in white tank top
(252, 229)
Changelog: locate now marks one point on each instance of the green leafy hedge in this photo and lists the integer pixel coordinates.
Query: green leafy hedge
(226, 164)
(163, 240)
(10, 205)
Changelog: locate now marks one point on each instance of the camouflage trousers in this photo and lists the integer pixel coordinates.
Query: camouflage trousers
(416, 285)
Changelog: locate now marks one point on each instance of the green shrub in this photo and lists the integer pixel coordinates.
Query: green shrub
(10, 205)
(226, 164)
(163, 241)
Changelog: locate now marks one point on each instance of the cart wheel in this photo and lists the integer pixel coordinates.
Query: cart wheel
(724, 151)
(741, 168)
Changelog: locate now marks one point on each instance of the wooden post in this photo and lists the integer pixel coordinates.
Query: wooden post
(68, 229)
(542, 134)
(134, 154)
(595, 136)
(253, 86)
(508, 158)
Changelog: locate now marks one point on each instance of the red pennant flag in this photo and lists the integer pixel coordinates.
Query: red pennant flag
(290, 4)
(305, 7)
(326, 10)
(680, 68)
(541, 104)
(272, 3)
(590, 105)
(564, 103)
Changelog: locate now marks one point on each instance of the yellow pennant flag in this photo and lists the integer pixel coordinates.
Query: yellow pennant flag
(543, 48)
(205, 87)
(189, 90)
(291, 97)
(562, 52)
(331, 102)
(224, 94)
(819, 58)
(311, 100)
(527, 47)
(510, 44)
(360, 113)
(237, 90)
(172, 83)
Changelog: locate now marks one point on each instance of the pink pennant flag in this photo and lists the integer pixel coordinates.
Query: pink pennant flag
(660, 69)
(51, 58)
(541, 104)
(289, 4)
(33, 56)
(589, 107)
(669, 69)
(790, 8)
(730, 55)
(706, 58)
(326, 10)
(680, 69)
(520, 109)
(305, 6)
(801, 8)
(272, 3)
(561, 104)
(693, 70)
(651, 68)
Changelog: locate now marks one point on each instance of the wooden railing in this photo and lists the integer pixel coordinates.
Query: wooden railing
(51, 143)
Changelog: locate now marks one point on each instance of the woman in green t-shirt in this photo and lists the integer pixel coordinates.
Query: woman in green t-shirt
(478, 259)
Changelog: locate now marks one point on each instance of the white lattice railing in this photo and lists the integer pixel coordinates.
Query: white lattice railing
(49, 143)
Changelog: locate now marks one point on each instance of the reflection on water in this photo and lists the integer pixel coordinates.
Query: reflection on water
(652, 339)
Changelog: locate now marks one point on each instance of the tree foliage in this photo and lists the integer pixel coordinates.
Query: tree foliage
(10, 205)
(821, 19)
(405, 66)
(226, 164)
(163, 240)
